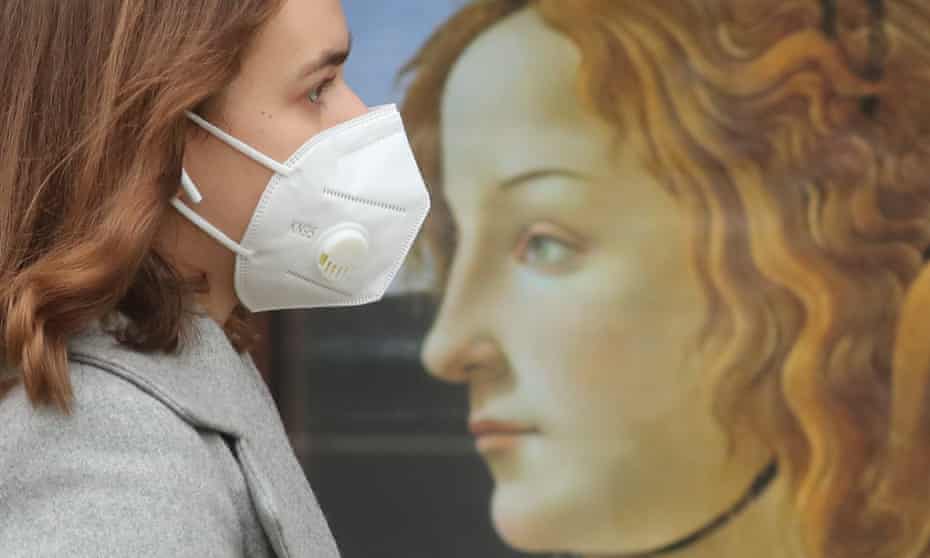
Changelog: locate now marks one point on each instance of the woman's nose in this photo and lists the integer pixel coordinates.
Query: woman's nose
(351, 105)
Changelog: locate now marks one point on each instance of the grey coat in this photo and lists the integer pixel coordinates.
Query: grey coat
(164, 456)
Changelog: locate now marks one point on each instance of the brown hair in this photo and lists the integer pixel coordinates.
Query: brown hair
(92, 133)
(810, 218)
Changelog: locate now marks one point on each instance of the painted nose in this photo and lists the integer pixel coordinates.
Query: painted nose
(457, 363)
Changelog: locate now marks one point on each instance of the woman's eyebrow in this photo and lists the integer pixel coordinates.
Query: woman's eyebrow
(332, 57)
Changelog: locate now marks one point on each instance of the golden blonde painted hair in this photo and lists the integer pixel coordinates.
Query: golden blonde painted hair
(810, 220)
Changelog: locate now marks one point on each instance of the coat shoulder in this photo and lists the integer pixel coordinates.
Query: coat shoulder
(108, 412)
(123, 474)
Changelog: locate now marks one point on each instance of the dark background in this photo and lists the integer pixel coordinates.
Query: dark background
(384, 444)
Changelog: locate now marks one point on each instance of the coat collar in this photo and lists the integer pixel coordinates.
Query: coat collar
(211, 386)
(206, 382)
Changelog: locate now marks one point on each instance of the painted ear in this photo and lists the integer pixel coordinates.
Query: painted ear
(190, 188)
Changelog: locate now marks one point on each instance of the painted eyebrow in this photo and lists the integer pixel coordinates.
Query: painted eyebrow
(527, 177)
(329, 58)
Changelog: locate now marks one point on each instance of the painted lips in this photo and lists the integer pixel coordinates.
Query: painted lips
(492, 435)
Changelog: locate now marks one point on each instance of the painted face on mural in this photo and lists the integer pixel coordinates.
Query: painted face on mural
(571, 310)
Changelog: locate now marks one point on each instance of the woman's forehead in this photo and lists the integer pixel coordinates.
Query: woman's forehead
(298, 33)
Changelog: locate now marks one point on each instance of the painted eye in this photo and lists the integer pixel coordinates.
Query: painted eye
(544, 250)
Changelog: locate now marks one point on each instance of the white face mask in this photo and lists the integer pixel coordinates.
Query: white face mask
(335, 222)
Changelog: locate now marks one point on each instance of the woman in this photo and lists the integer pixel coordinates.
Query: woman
(681, 247)
(157, 185)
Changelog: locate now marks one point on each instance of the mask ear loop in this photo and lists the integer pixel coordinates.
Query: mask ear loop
(214, 232)
(190, 188)
(240, 146)
(192, 192)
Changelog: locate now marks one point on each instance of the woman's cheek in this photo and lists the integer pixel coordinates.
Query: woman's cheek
(599, 344)
(571, 341)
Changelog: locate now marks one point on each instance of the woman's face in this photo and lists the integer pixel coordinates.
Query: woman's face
(289, 88)
(570, 311)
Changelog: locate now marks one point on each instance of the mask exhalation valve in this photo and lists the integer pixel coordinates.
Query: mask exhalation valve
(343, 248)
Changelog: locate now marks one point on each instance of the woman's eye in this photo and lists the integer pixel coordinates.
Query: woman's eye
(316, 94)
(546, 251)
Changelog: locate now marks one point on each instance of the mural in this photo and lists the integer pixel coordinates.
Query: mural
(679, 303)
